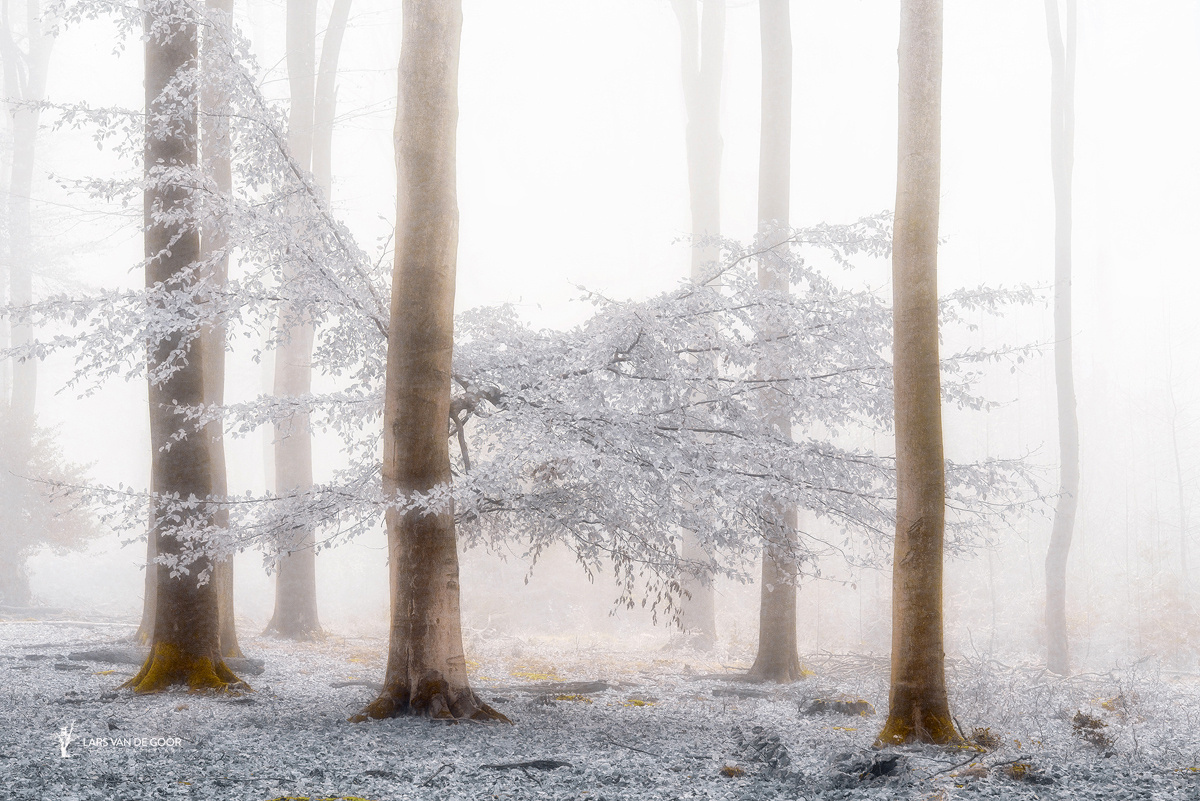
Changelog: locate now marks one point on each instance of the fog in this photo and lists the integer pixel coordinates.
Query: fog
(572, 176)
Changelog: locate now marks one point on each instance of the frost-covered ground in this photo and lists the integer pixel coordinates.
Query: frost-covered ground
(664, 729)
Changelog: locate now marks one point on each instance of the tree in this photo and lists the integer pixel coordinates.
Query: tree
(25, 74)
(185, 647)
(702, 51)
(1062, 157)
(217, 164)
(310, 135)
(295, 613)
(777, 658)
(426, 670)
(918, 707)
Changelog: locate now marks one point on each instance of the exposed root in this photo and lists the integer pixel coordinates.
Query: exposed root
(918, 728)
(434, 699)
(168, 666)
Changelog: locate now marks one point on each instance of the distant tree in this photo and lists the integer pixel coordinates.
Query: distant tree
(25, 72)
(185, 647)
(426, 670)
(777, 658)
(40, 515)
(1062, 157)
(310, 139)
(918, 706)
(702, 57)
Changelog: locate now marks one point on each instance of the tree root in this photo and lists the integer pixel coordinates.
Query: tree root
(168, 665)
(432, 699)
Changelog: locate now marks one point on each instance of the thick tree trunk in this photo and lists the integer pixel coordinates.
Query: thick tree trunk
(185, 647)
(777, 658)
(918, 707)
(295, 614)
(426, 669)
(1062, 156)
(214, 243)
(25, 80)
(702, 52)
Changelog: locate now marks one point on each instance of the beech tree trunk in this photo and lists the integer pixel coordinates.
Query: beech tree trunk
(214, 243)
(918, 707)
(426, 669)
(295, 614)
(1062, 158)
(25, 75)
(186, 644)
(778, 658)
(702, 51)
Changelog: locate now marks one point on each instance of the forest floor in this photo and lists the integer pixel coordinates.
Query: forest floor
(652, 725)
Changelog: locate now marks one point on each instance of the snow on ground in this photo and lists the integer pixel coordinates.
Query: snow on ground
(664, 729)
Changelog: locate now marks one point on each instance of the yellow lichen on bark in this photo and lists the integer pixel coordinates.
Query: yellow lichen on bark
(168, 666)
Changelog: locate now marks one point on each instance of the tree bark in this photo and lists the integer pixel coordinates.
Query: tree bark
(426, 669)
(1062, 156)
(918, 707)
(214, 244)
(778, 658)
(295, 615)
(186, 646)
(702, 51)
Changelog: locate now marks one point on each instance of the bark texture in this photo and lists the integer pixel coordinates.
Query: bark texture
(918, 707)
(702, 54)
(1062, 158)
(186, 646)
(295, 615)
(426, 669)
(777, 658)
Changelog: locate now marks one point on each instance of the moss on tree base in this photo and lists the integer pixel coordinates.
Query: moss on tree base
(168, 665)
(918, 728)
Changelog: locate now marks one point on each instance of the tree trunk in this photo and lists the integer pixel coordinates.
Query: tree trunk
(777, 658)
(426, 669)
(185, 647)
(145, 633)
(1062, 157)
(214, 243)
(295, 614)
(918, 708)
(25, 80)
(325, 107)
(702, 50)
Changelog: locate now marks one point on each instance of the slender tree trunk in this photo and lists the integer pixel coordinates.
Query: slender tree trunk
(186, 646)
(918, 707)
(214, 243)
(426, 669)
(777, 658)
(25, 80)
(325, 107)
(702, 51)
(295, 614)
(1062, 156)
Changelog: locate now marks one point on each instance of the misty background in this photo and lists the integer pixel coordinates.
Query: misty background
(572, 173)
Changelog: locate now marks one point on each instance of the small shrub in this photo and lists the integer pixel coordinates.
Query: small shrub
(1091, 730)
(983, 739)
(732, 771)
